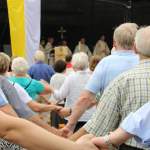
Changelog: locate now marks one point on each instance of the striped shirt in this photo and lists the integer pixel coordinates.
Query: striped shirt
(125, 94)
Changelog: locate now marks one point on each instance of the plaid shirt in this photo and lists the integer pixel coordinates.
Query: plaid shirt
(125, 94)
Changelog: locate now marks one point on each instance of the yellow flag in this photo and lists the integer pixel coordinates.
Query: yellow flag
(17, 27)
(24, 21)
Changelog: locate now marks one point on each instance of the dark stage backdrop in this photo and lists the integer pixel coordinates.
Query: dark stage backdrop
(82, 18)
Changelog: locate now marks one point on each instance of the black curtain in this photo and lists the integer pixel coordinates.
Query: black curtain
(4, 24)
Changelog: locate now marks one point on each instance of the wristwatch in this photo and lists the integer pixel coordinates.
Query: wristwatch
(109, 144)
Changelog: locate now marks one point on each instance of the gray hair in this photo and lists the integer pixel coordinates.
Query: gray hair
(80, 61)
(39, 56)
(19, 65)
(124, 35)
(142, 41)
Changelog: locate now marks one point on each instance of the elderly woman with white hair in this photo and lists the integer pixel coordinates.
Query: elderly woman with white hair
(33, 87)
(41, 70)
(73, 86)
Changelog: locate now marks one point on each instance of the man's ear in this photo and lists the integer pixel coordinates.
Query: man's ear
(135, 49)
(114, 44)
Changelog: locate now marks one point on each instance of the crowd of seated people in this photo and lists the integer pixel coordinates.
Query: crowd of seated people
(90, 95)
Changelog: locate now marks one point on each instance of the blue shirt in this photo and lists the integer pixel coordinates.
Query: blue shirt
(110, 67)
(40, 71)
(138, 124)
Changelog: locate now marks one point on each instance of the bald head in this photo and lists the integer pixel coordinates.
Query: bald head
(124, 35)
(142, 41)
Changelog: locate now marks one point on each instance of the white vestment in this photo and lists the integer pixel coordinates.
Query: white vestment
(61, 52)
(101, 48)
(82, 48)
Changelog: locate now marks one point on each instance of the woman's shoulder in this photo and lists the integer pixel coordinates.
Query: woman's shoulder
(35, 81)
(13, 78)
(35, 84)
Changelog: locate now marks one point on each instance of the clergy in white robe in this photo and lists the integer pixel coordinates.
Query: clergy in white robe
(101, 47)
(61, 52)
(82, 47)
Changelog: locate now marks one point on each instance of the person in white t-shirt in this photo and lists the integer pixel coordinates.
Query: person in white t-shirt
(56, 82)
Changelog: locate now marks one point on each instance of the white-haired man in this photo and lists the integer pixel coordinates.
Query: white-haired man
(122, 59)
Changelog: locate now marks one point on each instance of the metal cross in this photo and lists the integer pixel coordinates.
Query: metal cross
(62, 31)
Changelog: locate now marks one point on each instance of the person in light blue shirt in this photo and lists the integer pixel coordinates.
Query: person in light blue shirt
(110, 67)
(121, 60)
(138, 124)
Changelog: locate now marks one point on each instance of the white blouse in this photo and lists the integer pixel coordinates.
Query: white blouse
(71, 89)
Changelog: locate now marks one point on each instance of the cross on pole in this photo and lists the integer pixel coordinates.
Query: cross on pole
(62, 31)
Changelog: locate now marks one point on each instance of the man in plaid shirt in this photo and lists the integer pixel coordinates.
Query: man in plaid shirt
(127, 93)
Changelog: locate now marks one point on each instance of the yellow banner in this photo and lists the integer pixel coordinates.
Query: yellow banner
(16, 15)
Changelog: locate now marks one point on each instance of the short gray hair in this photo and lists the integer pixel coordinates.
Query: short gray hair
(124, 35)
(39, 56)
(142, 41)
(80, 61)
(19, 65)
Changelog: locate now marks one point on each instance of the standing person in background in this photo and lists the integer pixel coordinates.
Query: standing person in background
(65, 44)
(49, 45)
(62, 51)
(101, 47)
(40, 70)
(42, 45)
(59, 77)
(49, 51)
(56, 82)
(68, 59)
(69, 67)
(82, 47)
